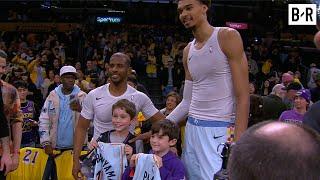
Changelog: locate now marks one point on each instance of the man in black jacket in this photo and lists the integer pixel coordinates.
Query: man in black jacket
(273, 104)
(315, 92)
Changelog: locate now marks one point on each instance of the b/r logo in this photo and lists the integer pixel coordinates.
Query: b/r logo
(302, 14)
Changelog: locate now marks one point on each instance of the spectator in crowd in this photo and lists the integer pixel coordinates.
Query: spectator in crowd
(297, 77)
(273, 104)
(104, 74)
(78, 66)
(56, 66)
(301, 104)
(60, 113)
(47, 82)
(266, 88)
(133, 82)
(34, 94)
(292, 90)
(256, 109)
(15, 75)
(37, 71)
(315, 92)
(165, 58)
(83, 84)
(313, 71)
(288, 146)
(252, 88)
(312, 117)
(286, 79)
(152, 65)
(91, 69)
(172, 100)
(30, 113)
(56, 83)
(252, 64)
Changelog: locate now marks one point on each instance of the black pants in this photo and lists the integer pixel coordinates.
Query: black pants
(50, 171)
(2, 177)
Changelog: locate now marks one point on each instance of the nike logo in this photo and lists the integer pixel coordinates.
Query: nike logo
(98, 98)
(216, 137)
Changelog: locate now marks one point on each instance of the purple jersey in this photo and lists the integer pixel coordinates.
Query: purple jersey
(291, 116)
(29, 133)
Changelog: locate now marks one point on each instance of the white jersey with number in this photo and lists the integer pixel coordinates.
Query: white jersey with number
(97, 106)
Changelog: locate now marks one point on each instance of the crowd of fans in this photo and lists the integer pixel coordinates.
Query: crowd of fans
(37, 58)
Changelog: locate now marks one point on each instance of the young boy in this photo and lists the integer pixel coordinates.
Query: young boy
(164, 135)
(123, 115)
(30, 124)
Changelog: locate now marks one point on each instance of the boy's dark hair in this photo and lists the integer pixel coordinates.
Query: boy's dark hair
(126, 105)
(167, 128)
(20, 84)
(259, 155)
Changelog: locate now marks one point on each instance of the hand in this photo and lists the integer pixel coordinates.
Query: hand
(48, 150)
(143, 136)
(133, 160)
(34, 123)
(15, 161)
(75, 106)
(158, 160)
(76, 170)
(6, 163)
(92, 144)
(128, 150)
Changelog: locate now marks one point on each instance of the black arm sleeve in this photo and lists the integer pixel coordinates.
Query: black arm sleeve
(4, 128)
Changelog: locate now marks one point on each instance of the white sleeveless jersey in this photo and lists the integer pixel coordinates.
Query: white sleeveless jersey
(212, 94)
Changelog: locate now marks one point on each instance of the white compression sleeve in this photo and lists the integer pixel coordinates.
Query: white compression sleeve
(182, 110)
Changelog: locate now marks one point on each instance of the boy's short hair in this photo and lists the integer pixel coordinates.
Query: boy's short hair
(20, 84)
(126, 105)
(167, 127)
